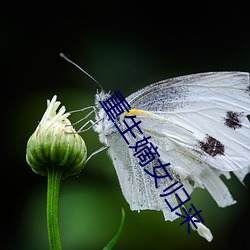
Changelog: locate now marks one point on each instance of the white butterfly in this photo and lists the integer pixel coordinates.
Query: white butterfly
(199, 124)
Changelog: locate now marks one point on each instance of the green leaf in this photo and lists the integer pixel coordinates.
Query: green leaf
(117, 234)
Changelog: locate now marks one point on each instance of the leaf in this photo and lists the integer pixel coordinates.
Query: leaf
(117, 234)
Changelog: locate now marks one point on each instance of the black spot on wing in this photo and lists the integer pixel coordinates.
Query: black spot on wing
(233, 119)
(248, 89)
(212, 146)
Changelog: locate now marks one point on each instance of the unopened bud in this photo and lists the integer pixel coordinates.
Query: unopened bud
(55, 143)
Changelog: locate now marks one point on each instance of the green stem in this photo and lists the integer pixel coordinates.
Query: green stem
(54, 177)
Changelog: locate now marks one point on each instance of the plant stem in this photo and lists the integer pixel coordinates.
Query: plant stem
(54, 177)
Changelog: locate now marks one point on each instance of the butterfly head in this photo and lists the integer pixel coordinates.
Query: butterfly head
(104, 126)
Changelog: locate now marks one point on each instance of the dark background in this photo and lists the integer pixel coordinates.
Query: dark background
(125, 45)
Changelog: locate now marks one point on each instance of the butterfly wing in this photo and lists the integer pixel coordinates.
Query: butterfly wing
(211, 106)
(199, 123)
(137, 187)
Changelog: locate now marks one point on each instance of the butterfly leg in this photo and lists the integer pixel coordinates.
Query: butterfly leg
(86, 116)
(92, 154)
(81, 129)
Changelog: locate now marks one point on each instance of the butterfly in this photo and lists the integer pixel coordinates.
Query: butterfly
(198, 123)
(200, 126)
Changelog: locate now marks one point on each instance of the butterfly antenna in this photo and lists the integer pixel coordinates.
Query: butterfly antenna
(86, 73)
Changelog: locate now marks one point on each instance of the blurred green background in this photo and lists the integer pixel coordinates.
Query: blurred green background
(125, 45)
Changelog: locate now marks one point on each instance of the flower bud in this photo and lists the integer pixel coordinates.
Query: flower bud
(55, 144)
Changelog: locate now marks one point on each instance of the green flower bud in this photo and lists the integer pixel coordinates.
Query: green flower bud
(55, 144)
